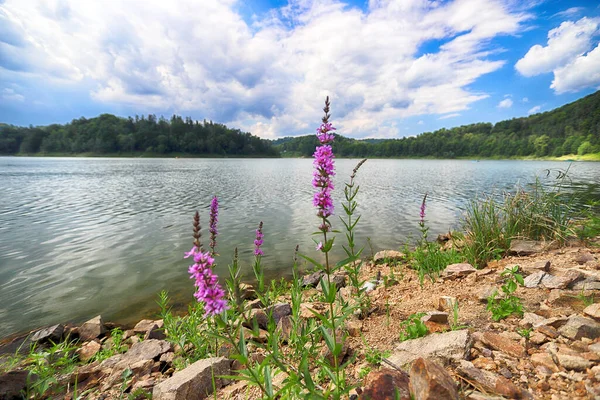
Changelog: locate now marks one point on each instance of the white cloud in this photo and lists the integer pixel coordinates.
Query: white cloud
(11, 95)
(506, 103)
(268, 76)
(569, 12)
(454, 115)
(421, 122)
(534, 110)
(567, 55)
(525, 100)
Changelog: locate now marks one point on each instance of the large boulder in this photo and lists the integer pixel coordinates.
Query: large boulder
(444, 348)
(194, 382)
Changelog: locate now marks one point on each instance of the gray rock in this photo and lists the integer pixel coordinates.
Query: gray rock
(485, 292)
(12, 384)
(536, 267)
(530, 319)
(387, 256)
(53, 333)
(584, 257)
(586, 284)
(560, 282)
(92, 329)
(525, 247)
(578, 327)
(338, 280)
(572, 362)
(443, 348)
(194, 382)
(312, 280)
(150, 349)
(460, 270)
(534, 279)
(438, 317)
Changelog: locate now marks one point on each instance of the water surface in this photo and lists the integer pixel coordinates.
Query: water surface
(81, 237)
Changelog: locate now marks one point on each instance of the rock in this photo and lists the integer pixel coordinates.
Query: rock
(92, 329)
(53, 334)
(284, 327)
(387, 256)
(429, 381)
(143, 326)
(338, 280)
(353, 327)
(443, 348)
(437, 317)
(88, 350)
(536, 267)
(584, 257)
(593, 311)
(278, 311)
(530, 319)
(14, 383)
(534, 279)
(445, 303)
(194, 382)
(578, 327)
(554, 322)
(328, 355)
(560, 282)
(486, 292)
(500, 343)
(525, 247)
(386, 384)
(538, 338)
(312, 280)
(247, 291)
(545, 360)
(572, 362)
(460, 270)
(586, 284)
(150, 349)
(480, 396)
(490, 381)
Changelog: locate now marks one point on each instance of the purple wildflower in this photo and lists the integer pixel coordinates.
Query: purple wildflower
(212, 224)
(207, 285)
(324, 170)
(259, 241)
(320, 246)
(422, 213)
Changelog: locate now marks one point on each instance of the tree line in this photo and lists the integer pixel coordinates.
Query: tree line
(108, 134)
(570, 129)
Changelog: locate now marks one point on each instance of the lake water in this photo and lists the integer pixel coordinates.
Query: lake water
(81, 237)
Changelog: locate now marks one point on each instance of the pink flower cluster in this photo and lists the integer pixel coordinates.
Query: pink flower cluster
(208, 289)
(324, 171)
(259, 241)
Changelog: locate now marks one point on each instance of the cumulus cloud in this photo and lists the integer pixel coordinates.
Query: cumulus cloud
(269, 75)
(506, 103)
(534, 110)
(567, 55)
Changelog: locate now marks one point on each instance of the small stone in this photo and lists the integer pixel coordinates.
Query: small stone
(88, 350)
(578, 327)
(538, 338)
(438, 317)
(525, 247)
(386, 384)
(500, 343)
(247, 291)
(53, 333)
(593, 310)
(534, 279)
(445, 303)
(143, 326)
(584, 257)
(560, 282)
(92, 329)
(460, 270)
(490, 381)
(575, 363)
(353, 327)
(193, 382)
(486, 292)
(429, 381)
(388, 256)
(284, 327)
(312, 280)
(545, 360)
(536, 267)
(529, 319)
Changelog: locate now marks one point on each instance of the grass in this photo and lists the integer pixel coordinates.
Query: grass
(430, 260)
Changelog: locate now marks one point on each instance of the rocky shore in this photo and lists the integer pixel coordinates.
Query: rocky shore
(551, 352)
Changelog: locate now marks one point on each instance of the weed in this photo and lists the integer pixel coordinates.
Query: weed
(454, 323)
(510, 304)
(526, 333)
(413, 327)
(374, 356)
(116, 346)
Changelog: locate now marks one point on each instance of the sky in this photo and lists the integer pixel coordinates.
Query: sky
(391, 68)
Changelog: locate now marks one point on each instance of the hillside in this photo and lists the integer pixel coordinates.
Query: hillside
(571, 129)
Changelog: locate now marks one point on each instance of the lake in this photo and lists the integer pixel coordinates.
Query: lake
(81, 237)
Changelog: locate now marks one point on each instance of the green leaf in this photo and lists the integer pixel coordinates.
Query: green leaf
(328, 339)
(268, 382)
(310, 260)
(520, 279)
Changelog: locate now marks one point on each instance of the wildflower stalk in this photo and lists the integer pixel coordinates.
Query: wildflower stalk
(212, 224)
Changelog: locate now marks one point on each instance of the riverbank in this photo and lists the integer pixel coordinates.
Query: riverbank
(552, 351)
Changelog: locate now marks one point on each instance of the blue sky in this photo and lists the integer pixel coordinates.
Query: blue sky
(391, 68)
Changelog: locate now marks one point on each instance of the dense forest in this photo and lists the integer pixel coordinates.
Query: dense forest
(108, 134)
(571, 129)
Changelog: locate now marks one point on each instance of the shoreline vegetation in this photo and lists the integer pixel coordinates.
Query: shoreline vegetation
(567, 133)
(505, 306)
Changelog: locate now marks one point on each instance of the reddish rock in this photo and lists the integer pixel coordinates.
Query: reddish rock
(430, 381)
(460, 270)
(545, 360)
(386, 384)
(92, 329)
(500, 343)
(548, 331)
(88, 350)
(491, 382)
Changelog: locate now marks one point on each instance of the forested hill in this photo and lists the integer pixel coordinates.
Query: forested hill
(108, 134)
(570, 129)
